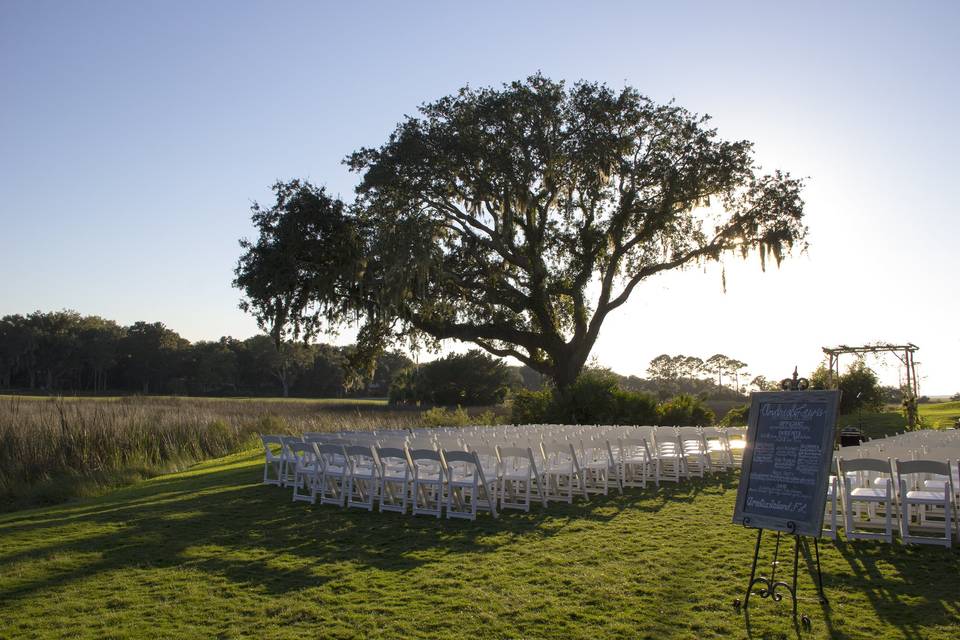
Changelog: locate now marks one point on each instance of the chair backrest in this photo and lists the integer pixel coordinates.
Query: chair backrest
(937, 468)
(634, 447)
(863, 464)
(430, 455)
(456, 455)
(271, 441)
(386, 455)
(517, 458)
(360, 455)
(331, 454)
(302, 449)
(923, 466)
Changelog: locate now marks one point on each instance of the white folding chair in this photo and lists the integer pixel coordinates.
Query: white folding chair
(333, 473)
(306, 471)
(272, 460)
(363, 477)
(736, 443)
(596, 462)
(288, 462)
(669, 454)
(637, 464)
(859, 489)
(396, 478)
(717, 447)
(931, 505)
(696, 456)
(468, 489)
(520, 480)
(561, 472)
(428, 481)
(833, 493)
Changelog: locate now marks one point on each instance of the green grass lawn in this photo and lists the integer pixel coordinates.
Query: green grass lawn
(210, 553)
(939, 415)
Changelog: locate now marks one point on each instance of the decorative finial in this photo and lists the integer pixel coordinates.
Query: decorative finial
(795, 383)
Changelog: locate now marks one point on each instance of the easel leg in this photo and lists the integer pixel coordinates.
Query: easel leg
(753, 568)
(816, 548)
(776, 558)
(796, 558)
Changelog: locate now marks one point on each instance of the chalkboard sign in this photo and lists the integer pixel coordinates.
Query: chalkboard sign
(786, 462)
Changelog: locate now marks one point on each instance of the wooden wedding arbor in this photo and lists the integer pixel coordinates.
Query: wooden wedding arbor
(904, 352)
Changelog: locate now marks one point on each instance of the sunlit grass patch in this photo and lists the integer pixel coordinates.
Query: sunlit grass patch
(211, 553)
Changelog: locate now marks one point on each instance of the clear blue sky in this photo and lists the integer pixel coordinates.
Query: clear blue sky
(134, 136)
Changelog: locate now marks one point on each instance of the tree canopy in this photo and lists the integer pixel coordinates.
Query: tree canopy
(517, 218)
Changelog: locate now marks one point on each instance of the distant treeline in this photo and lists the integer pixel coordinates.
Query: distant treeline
(64, 352)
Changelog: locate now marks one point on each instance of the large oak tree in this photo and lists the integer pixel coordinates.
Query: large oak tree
(516, 218)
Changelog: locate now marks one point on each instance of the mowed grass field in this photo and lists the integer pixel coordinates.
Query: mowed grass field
(212, 553)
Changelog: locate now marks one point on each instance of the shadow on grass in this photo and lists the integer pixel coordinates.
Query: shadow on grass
(900, 602)
(221, 520)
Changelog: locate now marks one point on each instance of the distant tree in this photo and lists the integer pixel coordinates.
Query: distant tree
(99, 341)
(717, 363)
(389, 366)
(285, 364)
(494, 215)
(860, 388)
(18, 349)
(691, 367)
(214, 365)
(471, 378)
(735, 367)
(761, 383)
(323, 372)
(149, 355)
(664, 367)
(891, 394)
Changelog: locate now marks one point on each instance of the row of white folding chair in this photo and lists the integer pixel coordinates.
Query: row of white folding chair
(899, 489)
(427, 480)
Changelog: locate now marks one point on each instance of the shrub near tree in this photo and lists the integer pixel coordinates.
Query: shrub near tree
(597, 398)
(467, 379)
(860, 387)
(684, 411)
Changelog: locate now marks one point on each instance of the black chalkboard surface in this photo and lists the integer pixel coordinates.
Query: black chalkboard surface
(786, 462)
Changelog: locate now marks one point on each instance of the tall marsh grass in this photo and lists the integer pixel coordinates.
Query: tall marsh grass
(55, 449)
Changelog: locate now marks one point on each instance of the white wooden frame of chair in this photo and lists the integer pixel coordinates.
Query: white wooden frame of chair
(363, 477)
(557, 489)
(306, 471)
(513, 484)
(696, 456)
(925, 498)
(866, 494)
(272, 460)
(428, 492)
(739, 436)
(489, 459)
(392, 496)
(669, 454)
(613, 465)
(649, 467)
(333, 474)
(955, 467)
(833, 491)
(471, 491)
(287, 461)
(596, 462)
(717, 443)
